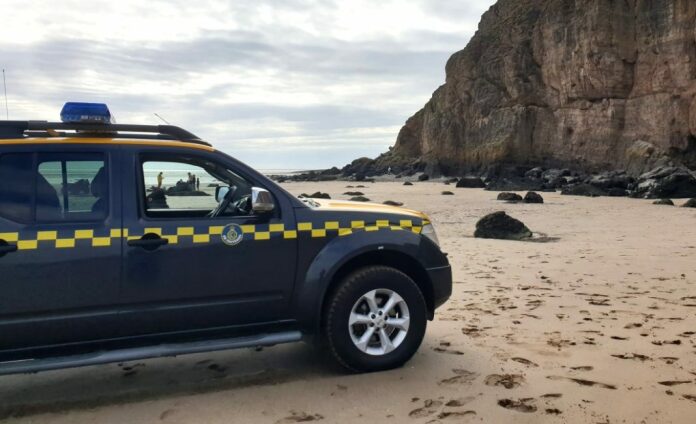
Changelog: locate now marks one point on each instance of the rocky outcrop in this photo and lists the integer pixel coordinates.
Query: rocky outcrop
(581, 84)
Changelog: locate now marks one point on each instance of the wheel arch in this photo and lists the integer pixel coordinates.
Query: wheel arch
(391, 258)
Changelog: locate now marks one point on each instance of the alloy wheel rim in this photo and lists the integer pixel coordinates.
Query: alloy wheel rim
(379, 322)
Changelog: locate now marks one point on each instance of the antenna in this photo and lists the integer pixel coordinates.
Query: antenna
(4, 83)
(163, 120)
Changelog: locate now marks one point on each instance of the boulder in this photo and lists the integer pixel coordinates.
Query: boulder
(532, 197)
(423, 177)
(452, 180)
(510, 197)
(691, 203)
(667, 202)
(470, 182)
(666, 182)
(392, 203)
(359, 199)
(583, 190)
(499, 225)
(447, 193)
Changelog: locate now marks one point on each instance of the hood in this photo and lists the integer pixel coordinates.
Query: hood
(348, 206)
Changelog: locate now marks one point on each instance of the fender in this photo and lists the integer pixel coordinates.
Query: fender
(311, 291)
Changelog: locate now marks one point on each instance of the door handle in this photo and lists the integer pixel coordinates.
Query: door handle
(148, 242)
(6, 248)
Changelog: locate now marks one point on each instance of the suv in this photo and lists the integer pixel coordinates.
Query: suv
(123, 242)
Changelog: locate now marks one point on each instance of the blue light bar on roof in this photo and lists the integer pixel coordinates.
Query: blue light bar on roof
(92, 113)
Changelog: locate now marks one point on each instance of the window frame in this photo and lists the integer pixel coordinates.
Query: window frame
(70, 157)
(153, 156)
(33, 171)
(106, 158)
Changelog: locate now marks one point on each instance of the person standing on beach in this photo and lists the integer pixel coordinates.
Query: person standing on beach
(198, 183)
(160, 178)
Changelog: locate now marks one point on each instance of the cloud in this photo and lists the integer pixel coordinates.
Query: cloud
(323, 82)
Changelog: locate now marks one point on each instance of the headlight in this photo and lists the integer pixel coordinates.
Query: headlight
(429, 232)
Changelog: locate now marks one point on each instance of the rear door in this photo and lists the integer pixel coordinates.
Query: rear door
(231, 270)
(60, 245)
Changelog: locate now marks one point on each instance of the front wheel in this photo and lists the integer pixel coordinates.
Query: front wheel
(375, 320)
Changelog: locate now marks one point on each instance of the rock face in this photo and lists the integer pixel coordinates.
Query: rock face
(583, 84)
(499, 225)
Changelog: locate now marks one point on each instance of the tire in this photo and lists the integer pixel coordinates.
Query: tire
(360, 298)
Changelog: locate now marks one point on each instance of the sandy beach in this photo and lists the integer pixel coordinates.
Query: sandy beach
(595, 322)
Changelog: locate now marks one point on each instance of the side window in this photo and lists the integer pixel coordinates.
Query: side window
(186, 187)
(17, 186)
(71, 187)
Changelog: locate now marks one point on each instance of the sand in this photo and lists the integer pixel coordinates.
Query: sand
(596, 323)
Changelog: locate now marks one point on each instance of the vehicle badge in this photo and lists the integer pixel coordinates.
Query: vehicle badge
(232, 234)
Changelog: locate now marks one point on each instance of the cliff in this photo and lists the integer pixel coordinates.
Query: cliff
(585, 84)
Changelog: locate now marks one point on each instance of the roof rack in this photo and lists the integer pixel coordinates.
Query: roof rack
(22, 129)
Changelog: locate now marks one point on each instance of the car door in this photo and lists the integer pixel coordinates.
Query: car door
(60, 250)
(186, 271)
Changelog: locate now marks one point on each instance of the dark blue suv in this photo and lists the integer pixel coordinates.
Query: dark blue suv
(120, 242)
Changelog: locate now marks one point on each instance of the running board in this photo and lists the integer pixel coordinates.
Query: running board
(157, 351)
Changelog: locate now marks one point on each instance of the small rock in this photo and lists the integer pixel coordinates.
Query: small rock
(691, 203)
(667, 202)
(509, 197)
(393, 203)
(317, 195)
(408, 183)
(423, 177)
(470, 182)
(354, 193)
(532, 197)
(447, 193)
(499, 225)
(359, 199)
(452, 181)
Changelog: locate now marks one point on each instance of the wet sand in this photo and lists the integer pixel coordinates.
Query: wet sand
(594, 323)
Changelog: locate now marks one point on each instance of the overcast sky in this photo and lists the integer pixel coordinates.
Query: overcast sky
(293, 84)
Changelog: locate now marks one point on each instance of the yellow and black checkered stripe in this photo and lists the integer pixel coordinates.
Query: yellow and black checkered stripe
(175, 235)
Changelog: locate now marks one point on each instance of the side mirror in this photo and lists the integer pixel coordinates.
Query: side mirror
(221, 193)
(261, 200)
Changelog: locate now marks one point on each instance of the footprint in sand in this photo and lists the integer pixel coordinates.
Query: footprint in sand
(582, 368)
(300, 417)
(509, 381)
(633, 325)
(521, 405)
(524, 361)
(583, 382)
(455, 415)
(634, 356)
(674, 382)
(461, 377)
(456, 403)
(430, 407)
(444, 347)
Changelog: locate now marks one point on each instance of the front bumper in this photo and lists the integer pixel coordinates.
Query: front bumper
(441, 279)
